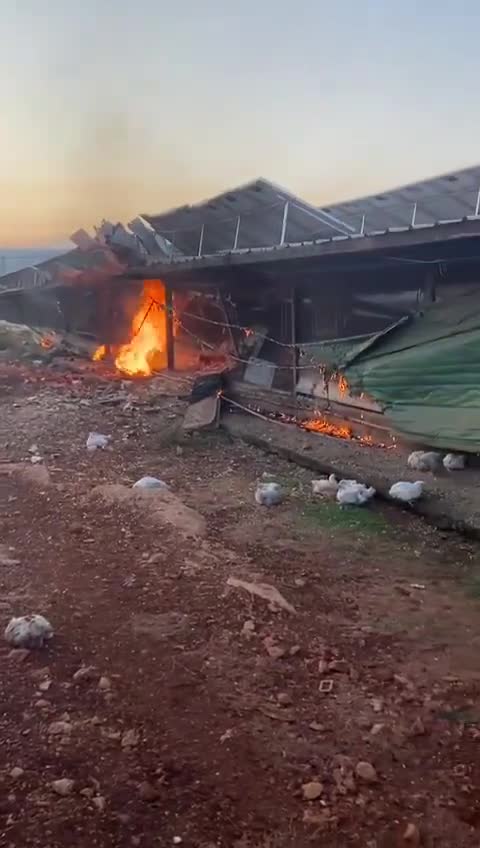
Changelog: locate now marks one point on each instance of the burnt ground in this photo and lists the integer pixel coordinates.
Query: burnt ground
(201, 718)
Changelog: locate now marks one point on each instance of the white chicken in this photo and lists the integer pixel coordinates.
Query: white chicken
(150, 483)
(28, 631)
(327, 486)
(268, 494)
(454, 461)
(352, 493)
(424, 461)
(406, 492)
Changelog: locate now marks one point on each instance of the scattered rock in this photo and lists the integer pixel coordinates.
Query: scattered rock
(19, 654)
(44, 686)
(58, 728)
(265, 591)
(377, 705)
(63, 787)
(376, 729)
(130, 739)
(248, 629)
(284, 699)
(104, 684)
(411, 835)
(88, 792)
(85, 673)
(159, 626)
(16, 773)
(100, 803)
(177, 840)
(319, 728)
(300, 583)
(148, 792)
(418, 728)
(366, 772)
(311, 791)
(273, 650)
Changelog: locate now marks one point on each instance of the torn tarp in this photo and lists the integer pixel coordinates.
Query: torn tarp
(426, 374)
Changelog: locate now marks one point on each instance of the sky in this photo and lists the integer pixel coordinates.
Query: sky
(111, 108)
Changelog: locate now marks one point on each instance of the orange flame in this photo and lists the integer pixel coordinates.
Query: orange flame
(46, 342)
(321, 425)
(146, 350)
(100, 353)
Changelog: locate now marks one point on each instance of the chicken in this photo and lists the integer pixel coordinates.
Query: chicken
(406, 492)
(327, 486)
(353, 493)
(454, 461)
(150, 483)
(28, 631)
(268, 494)
(424, 461)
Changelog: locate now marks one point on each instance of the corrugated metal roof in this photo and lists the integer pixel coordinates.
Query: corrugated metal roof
(250, 216)
(445, 198)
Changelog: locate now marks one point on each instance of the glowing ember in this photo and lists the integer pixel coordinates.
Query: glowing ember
(146, 350)
(46, 342)
(321, 425)
(100, 353)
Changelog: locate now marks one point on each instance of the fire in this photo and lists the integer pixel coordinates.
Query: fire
(321, 425)
(100, 353)
(46, 342)
(146, 350)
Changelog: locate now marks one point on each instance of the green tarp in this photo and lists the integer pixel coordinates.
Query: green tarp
(426, 373)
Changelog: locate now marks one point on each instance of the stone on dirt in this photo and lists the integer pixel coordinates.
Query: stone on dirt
(148, 792)
(312, 790)
(263, 590)
(130, 739)
(58, 728)
(63, 787)
(411, 835)
(85, 673)
(16, 773)
(105, 684)
(366, 772)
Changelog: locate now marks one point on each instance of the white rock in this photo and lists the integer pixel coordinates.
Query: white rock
(150, 483)
(16, 773)
(366, 772)
(104, 683)
(58, 728)
(63, 787)
(85, 672)
(28, 631)
(311, 791)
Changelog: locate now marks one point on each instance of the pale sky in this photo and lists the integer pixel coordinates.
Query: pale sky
(109, 108)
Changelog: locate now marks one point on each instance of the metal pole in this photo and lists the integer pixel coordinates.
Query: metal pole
(414, 215)
(293, 335)
(477, 207)
(237, 230)
(284, 223)
(362, 228)
(200, 243)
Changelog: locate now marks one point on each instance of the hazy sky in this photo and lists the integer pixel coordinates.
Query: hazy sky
(110, 108)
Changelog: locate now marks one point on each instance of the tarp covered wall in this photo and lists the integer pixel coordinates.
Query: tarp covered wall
(426, 374)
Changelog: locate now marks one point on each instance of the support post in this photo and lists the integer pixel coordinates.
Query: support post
(237, 231)
(414, 215)
(169, 328)
(284, 223)
(477, 205)
(200, 243)
(293, 338)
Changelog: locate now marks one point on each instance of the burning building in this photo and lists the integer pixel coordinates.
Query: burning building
(325, 314)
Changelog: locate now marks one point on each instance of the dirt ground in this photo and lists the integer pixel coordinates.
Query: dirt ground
(204, 715)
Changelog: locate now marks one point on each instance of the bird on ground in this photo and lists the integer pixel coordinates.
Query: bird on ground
(406, 492)
(268, 494)
(28, 631)
(353, 493)
(326, 486)
(424, 461)
(454, 461)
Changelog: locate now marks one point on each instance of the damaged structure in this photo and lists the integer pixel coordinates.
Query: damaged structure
(360, 319)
